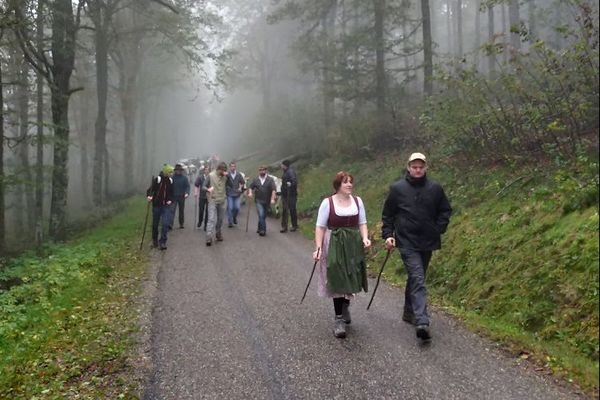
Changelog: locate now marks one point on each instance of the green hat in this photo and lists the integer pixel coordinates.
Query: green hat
(167, 169)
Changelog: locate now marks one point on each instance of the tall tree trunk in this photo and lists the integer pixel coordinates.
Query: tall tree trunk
(492, 40)
(2, 183)
(515, 24)
(459, 30)
(427, 49)
(477, 34)
(100, 20)
(39, 174)
(63, 55)
(532, 11)
(380, 85)
(26, 201)
(505, 33)
(328, 25)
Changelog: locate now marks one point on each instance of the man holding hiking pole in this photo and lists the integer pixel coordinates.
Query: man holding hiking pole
(415, 214)
(160, 193)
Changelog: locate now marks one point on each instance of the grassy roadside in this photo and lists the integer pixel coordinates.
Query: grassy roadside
(68, 318)
(519, 263)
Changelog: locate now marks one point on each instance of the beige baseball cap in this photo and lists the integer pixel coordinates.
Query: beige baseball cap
(417, 156)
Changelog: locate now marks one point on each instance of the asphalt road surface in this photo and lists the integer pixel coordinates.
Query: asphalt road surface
(227, 324)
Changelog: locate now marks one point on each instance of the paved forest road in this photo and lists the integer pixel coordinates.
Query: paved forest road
(227, 324)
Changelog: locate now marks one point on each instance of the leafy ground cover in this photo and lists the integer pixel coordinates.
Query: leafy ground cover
(520, 259)
(67, 317)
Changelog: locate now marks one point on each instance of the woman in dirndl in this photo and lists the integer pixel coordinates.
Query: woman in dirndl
(341, 238)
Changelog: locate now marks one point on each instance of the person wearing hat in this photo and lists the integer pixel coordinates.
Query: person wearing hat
(289, 196)
(160, 193)
(415, 214)
(181, 191)
(263, 189)
(214, 187)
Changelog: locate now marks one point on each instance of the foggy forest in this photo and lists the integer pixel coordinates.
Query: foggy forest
(98, 94)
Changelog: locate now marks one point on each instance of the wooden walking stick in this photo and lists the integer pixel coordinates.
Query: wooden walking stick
(311, 275)
(379, 276)
(145, 224)
(247, 214)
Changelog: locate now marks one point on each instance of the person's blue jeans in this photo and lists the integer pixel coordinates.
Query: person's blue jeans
(233, 207)
(261, 209)
(415, 294)
(160, 215)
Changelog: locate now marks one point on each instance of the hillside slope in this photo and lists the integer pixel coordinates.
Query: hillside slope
(519, 262)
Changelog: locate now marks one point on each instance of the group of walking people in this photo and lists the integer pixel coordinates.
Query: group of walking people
(415, 214)
(219, 194)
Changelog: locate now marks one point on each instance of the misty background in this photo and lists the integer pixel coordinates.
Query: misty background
(98, 94)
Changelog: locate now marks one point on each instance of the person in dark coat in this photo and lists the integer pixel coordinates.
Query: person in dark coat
(181, 191)
(415, 214)
(289, 196)
(201, 196)
(234, 189)
(160, 193)
(263, 189)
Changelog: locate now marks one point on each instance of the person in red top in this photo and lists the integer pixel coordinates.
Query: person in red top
(341, 237)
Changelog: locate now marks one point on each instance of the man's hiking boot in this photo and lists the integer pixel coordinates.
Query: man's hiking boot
(155, 244)
(294, 229)
(283, 230)
(339, 327)
(163, 246)
(219, 237)
(423, 332)
(209, 242)
(346, 312)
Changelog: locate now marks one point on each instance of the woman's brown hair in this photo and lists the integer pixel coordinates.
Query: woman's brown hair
(340, 178)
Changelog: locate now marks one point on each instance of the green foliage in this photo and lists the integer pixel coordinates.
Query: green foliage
(543, 100)
(65, 317)
(520, 258)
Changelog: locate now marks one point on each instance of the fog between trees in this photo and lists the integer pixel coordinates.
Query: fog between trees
(98, 94)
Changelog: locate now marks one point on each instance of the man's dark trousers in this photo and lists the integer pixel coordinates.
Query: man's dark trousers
(289, 206)
(203, 212)
(162, 215)
(415, 294)
(179, 203)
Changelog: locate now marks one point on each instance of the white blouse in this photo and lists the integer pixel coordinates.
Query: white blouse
(323, 215)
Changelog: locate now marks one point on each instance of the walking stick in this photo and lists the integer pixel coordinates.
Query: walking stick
(196, 211)
(379, 276)
(311, 275)
(247, 215)
(145, 225)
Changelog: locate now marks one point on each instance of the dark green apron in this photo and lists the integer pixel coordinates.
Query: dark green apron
(346, 265)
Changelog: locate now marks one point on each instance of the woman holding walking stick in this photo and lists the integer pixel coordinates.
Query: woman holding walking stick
(341, 234)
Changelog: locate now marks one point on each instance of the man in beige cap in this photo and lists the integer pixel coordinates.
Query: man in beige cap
(415, 214)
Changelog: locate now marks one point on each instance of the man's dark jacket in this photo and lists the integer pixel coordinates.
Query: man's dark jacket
(289, 183)
(181, 185)
(161, 190)
(262, 193)
(417, 212)
(199, 183)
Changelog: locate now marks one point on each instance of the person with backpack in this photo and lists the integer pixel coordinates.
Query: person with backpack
(160, 193)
